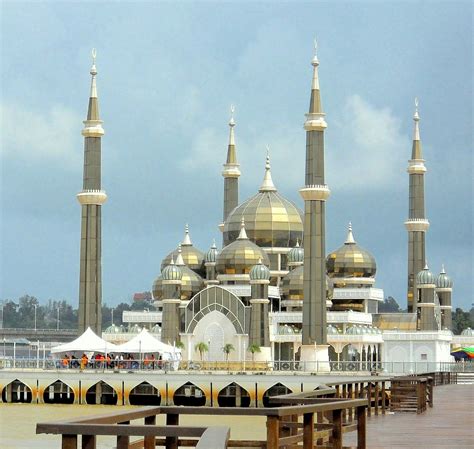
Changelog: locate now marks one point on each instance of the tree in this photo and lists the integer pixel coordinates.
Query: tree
(389, 305)
(227, 349)
(461, 321)
(179, 344)
(201, 348)
(254, 348)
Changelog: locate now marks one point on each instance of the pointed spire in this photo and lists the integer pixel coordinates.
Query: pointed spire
(297, 243)
(93, 111)
(442, 269)
(267, 184)
(259, 261)
(172, 260)
(243, 233)
(426, 266)
(213, 246)
(231, 153)
(179, 258)
(315, 103)
(350, 237)
(416, 149)
(187, 239)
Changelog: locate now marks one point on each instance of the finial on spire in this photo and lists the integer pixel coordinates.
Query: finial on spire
(416, 116)
(172, 260)
(297, 243)
(93, 68)
(187, 239)
(179, 258)
(243, 233)
(232, 110)
(267, 184)
(315, 60)
(426, 265)
(259, 261)
(350, 237)
(214, 244)
(442, 269)
(231, 157)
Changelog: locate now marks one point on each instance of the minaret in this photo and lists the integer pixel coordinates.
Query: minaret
(91, 199)
(172, 276)
(315, 193)
(230, 173)
(444, 289)
(417, 224)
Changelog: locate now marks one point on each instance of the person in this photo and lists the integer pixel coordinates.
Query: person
(84, 362)
(153, 361)
(65, 361)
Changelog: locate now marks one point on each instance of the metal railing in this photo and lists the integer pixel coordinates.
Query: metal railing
(352, 367)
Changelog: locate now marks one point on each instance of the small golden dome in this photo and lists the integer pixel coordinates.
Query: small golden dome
(240, 256)
(292, 286)
(351, 261)
(192, 257)
(270, 219)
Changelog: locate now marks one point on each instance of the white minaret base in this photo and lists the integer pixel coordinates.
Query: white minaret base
(315, 358)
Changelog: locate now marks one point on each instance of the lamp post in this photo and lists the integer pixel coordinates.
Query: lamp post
(57, 327)
(1, 321)
(112, 312)
(35, 306)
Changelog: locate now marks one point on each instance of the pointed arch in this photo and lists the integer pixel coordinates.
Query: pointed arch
(233, 395)
(101, 393)
(189, 395)
(17, 391)
(222, 300)
(58, 392)
(276, 390)
(144, 394)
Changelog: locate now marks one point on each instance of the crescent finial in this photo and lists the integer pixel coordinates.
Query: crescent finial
(94, 55)
(315, 46)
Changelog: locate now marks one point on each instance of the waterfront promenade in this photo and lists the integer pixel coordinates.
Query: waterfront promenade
(448, 425)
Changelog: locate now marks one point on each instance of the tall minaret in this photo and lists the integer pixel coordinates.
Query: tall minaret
(417, 224)
(315, 193)
(91, 199)
(230, 173)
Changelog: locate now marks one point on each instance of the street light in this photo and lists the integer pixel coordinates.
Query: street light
(35, 306)
(57, 327)
(112, 311)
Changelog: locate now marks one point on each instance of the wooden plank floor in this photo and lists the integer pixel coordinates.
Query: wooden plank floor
(448, 425)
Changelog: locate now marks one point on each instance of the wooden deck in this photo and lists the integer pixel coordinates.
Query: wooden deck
(448, 425)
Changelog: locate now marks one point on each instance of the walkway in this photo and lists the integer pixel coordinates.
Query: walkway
(448, 425)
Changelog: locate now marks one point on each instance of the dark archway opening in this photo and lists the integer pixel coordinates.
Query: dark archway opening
(189, 395)
(144, 394)
(277, 390)
(233, 396)
(101, 393)
(17, 391)
(58, 393)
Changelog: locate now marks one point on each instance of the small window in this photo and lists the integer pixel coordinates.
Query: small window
(424, 356)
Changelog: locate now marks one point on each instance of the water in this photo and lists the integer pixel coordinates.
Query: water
(18, 424)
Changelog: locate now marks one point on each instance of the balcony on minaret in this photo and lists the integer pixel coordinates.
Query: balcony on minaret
(315, 192)
(416, 167)
(417, 225)
(89, 196)
(315, 121)
(93, 128)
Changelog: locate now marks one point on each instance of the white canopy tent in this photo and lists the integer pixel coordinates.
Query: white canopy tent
(145, 343)
(87, 342)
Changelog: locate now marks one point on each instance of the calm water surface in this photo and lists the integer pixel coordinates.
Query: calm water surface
(18, 424)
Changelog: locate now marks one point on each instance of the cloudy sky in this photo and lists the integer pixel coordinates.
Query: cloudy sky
(168, 73)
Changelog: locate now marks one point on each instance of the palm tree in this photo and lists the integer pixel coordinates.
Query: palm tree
(179, 344)
(253, 348)
(227, 349)
(202, 348)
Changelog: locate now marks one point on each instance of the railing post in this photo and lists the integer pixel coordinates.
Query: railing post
(149, 441)
(88, 441)
(308, 431)
(361, 428)
(69, 442)
(273, 429)
(172, 419)
(376, 398)
(337, 429)
(123, 440)
(383, 397)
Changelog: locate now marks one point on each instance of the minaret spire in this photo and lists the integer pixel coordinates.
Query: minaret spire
(231, 174)
(315, 193)
(417, 224)
(267, 184)
(91, 198)
(350, 237)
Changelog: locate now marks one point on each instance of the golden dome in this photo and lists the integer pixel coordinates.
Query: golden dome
(292, 285)
(191, 282)
(240, 256)
(351, 261)
(192, 257)
(270, 219)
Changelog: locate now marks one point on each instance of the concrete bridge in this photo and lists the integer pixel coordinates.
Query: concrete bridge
(61, 335)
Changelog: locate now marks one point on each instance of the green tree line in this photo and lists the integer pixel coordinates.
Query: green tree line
(21, 313)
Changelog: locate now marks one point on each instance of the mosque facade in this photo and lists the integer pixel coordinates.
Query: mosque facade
(272, 290)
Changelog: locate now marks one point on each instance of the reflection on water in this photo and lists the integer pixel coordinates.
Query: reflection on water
(18, 424)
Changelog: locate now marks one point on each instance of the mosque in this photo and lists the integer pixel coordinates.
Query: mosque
(272, 291)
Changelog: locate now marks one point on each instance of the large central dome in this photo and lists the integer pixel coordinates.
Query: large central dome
(270, 219)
